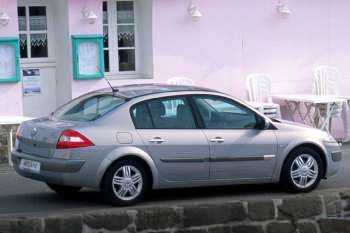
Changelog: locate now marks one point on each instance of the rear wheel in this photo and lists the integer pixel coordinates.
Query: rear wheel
(303, 170)
(62, 189)
(125, 183)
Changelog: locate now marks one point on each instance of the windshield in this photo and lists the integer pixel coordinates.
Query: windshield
(88, 107)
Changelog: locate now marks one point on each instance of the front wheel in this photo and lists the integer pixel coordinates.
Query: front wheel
(125, 183)
(303, 170)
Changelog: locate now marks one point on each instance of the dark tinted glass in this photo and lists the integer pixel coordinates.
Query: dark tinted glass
(222, 113)
(106, 54)
(126, 36)
(171, 113)
(127, 60)
(37, 18)
(39, 45)
(23, 45)
(105, 13)
(22, 23)
(142, 119)
(125, 12)
(105, 37)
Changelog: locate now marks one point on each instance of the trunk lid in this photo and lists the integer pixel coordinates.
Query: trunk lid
(39, 137)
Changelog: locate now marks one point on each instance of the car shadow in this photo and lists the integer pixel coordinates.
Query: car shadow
(43, 203)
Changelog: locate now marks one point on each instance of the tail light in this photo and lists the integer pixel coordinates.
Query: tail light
(19, 131)
(72, 139)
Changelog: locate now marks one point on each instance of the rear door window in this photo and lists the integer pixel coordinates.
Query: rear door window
(141, 116)
(88, 107)
(172, 113)
(164, 113)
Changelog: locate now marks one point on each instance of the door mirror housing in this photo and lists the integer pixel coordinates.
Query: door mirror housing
(261, 123)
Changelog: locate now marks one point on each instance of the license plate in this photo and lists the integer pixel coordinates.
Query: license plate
(30, 166)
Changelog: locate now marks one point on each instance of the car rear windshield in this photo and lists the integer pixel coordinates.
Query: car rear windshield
(88, 107)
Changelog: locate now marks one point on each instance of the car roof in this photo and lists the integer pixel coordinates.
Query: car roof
(137, 90)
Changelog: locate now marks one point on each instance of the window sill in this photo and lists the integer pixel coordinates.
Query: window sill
(127, 75)
(38, 62)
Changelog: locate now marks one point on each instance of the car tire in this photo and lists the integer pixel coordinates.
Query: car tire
(125, 183)
(62, 189)
(302, 170)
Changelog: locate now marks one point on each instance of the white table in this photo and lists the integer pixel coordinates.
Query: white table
(312, 104)
(346, 108)
(6, 125)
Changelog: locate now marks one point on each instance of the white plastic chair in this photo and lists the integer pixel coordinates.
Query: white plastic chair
(325, 80)
(259, 94)
(181, 81)
(326, 83)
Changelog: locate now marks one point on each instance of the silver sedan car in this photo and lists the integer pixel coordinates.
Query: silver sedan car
(129, 139)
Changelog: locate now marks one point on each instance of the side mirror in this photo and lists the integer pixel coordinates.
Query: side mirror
(261, 123)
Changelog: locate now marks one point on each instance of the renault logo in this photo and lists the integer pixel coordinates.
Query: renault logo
(34, 132)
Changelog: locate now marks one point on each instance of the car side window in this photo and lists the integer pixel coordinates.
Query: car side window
(221, 113)
(142, 118)
(171, 113)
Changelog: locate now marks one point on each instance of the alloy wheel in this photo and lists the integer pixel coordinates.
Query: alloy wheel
(304, 171)
(127, 183)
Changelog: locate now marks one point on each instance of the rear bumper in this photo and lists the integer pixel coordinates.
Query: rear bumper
(57, 171)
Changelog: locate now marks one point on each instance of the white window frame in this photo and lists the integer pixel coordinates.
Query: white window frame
(113, 48)
(48, 31)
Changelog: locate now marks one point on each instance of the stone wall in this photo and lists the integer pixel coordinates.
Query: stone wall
(326, 213)
(3, 148)
(3, 144)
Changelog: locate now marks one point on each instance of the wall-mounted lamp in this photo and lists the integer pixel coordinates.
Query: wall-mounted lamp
(4, 18)
(282, 9)
(89, 15)
(194, 12)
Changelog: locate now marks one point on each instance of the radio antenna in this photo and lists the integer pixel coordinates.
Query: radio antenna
(114, 90)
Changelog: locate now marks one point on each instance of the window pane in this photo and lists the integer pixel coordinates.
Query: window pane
(88, 107)
(38, 44)
(141, 117)
(89, 58)
(105, 13)
(125, 12)
(23, 45)
(7, 61)
(106, 54)
(221, 113)
(37, 18)
(174, 113)
(22, 23)
(126, 36)
(127, 60)
(105, 37)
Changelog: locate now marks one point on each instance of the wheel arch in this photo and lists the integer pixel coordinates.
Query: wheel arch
(310, 145)
(129, 153)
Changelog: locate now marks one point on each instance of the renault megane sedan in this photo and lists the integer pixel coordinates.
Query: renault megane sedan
(129, 139)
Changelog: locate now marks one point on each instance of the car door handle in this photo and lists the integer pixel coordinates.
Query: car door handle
(157, 140)
(217, 140)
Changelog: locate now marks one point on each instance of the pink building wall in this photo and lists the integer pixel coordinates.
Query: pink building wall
(235, 38)
(11, 93)
(77, 24)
